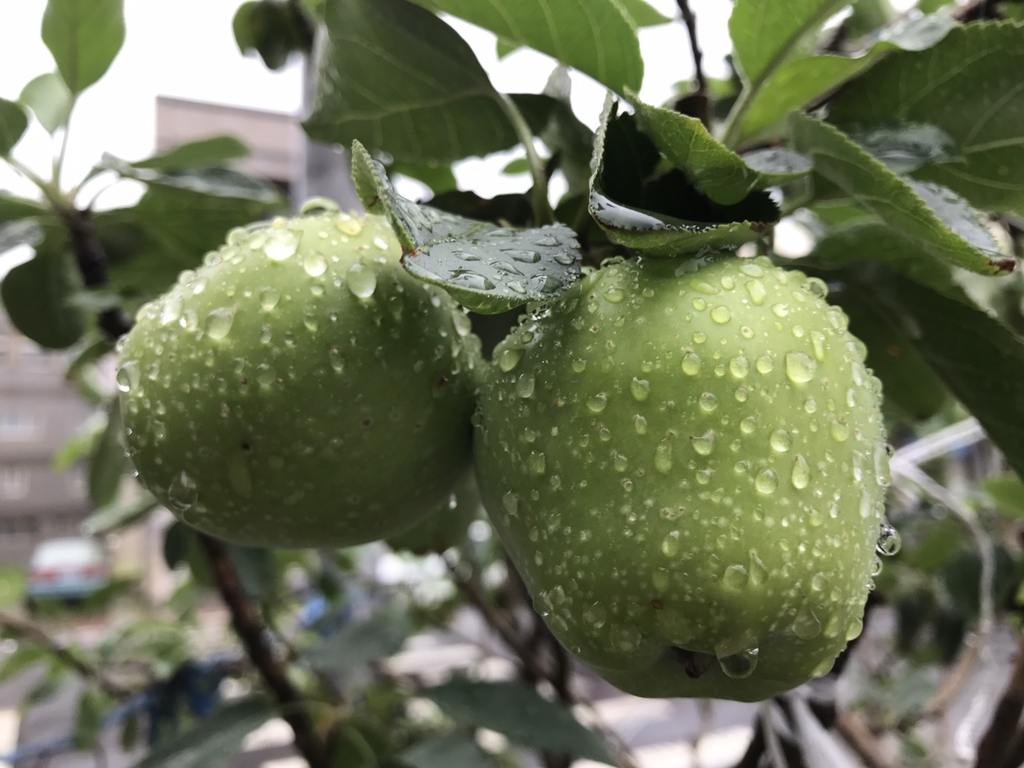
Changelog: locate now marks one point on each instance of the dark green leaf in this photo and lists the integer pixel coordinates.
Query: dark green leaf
(513, 209)
(437, 176)
(662, 215)
(551, 118)
(216, 150)
(49, 99)
(177, 541)
(1007, 492)
(519, 713)
(597, 38)
(120, 514)
(92, 706)
(802, 79)
(36, 294)
(14, 208)
(108, 464)
(213, 740)
(965, 347)
(81, 444)
(718, 172)
(964, 86)
(935, 218)
(216, 182)
(13, 122)
(84, 36)
(908, 146)
(451, 751)
(489, 269)
(275, 29)
(516, 166)
(397, 78)
(355, 645)
(55, 679)
(255, 569)
(642, 14)
(25, 657)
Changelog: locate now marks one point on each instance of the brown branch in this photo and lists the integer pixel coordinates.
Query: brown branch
(698, 56)
(252, 631)
(995, 742)
(32, 632)
(856, 733)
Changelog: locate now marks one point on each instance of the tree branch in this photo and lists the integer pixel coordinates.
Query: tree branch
(36, 634)
(999, 735)
(690, 20)
(253, 633)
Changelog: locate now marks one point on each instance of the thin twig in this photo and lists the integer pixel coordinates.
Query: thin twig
(253, 633)
(1007, 714)
(36, 634)
(856, 733)
(698, 56)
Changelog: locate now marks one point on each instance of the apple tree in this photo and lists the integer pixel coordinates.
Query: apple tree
(644, 435)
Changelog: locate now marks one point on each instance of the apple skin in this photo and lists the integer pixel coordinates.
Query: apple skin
(301, 389)
(687, 464)
(446, 527)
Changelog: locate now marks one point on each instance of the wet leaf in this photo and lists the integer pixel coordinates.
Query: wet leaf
(49, 99)
(215, 150)
(84, 36)
(906, 147)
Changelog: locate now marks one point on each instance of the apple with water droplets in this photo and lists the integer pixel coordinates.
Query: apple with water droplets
(300, 388)
(447, 527)
(687, 462)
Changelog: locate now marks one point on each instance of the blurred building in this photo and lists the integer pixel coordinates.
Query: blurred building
(39, 411)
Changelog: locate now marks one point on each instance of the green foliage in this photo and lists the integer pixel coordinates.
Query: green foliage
(49, 99)
(84, 36)
(13, 122)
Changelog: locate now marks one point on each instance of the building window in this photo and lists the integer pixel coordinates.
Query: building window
(15, 425)
(13, 482)
(18, 526)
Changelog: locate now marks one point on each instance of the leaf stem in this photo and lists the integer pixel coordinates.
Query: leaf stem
(698, 57)
(542, 212)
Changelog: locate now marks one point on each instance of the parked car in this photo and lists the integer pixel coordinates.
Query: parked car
(68, 570)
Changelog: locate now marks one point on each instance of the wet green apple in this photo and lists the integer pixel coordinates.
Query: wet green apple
(447, 526)
(687, 462)
(300, 388)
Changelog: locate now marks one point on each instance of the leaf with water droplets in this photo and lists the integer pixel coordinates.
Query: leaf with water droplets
(488, 269)
(905, 147)
(665, 215)
(934, 217)
(721, 174)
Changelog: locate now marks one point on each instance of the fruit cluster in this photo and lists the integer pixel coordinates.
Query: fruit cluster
(685, 459)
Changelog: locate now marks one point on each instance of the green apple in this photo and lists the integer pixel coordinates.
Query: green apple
(446, 527)
(687, 463)
(301, 388)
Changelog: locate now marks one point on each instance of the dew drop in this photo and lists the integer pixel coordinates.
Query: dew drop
(362, 280)
(660, 579)
(882, 453)
(800, 367)
(766, 482)
(536, 462)
(739, 367)
(806, 625)
(736, 577)
(738, 665)
(265, 374)
(854, 628)
(721, 314)
(764, 364)
(781, 441)
(691, 364)
(318, 205)
(269, 298)
(182, 492)
(839, 430)
(170, 311)
(509, 358)
(888, 543)
(780, 310)
(218, 322)
(510, 502)
(349, 226)
(315, 264)
(756, 291)
(816, 287)
(128, 376)
(640, 389)
(818, 344)
(818, 582)
(758, 570)
(597, 403)
(640, 424)
(595, 615)
(704, 444)
(380, 243)
(670, 544)
(337, 361)
(748, 425)
(614, 295)
(525, 385)
(801, 474)
(281, 244)
(707, 402)
(663, 457)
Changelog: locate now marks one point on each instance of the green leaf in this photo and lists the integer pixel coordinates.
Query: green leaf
(82, 443)
(37, 294)
(49, 99)
(396, 78)
(108, 464)
(213, 740)
(642, 14)
(84, 36)
(355, 645)
(516, 166)
(552, 119)
(14, 208)
(215, 150)
(966, 348)
(936, 219)
(906, 147)
(119, 514)
(13, 122)
(662, 215)
(489, 269)
(216, 182)
(19, 232)
(273, 28)
(521, 714)
(255, 568)
(24, 658)
(719, 172)
(451, 751)
(1007, 493)
(963, 86)
(800, 80)
(597, 37)
(92, 706)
